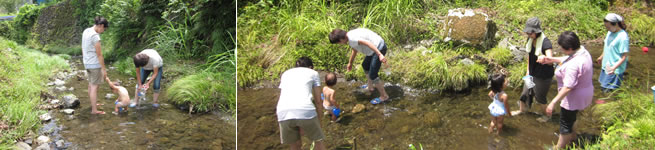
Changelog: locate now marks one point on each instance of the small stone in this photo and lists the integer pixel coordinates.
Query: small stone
(42, 140)
(407, 46)
(61, 88)
(68, 111)
(45, 117)
(54, 102)
(112, 68)
(43, 147)
(71, 89)
(28, 141)
(131, 78)
(109, 96)
(467, 61)
(23, 146)
(358, 108)
(70, 101)
(59, 82)
(60, 144)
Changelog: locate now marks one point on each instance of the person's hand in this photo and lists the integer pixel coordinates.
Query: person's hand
(599, 60)
(541, 59)
(145, 86)
(104, 72)
(349, 67)
(549, 109)
(610, 70)
(383, 59)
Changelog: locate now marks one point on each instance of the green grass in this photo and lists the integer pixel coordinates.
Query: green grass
(204, 91)
(19, 103)
(629, 119)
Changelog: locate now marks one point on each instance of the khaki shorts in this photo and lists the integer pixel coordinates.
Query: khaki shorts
(94, 76)
(290, 130)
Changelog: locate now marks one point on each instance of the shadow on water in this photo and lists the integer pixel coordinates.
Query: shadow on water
(143, 127)
(447, 120)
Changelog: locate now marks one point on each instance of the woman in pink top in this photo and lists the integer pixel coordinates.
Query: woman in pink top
(574, 83)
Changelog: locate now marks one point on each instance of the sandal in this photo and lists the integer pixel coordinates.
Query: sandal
(377, 101)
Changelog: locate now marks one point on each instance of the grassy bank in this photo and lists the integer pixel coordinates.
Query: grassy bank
(23, 75)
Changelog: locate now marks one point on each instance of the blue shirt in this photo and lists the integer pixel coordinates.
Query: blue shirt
(616, 43)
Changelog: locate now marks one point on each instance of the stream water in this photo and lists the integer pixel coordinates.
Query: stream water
(143, 127)
(435, 120)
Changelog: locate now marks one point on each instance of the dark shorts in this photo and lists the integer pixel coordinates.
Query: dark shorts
(566, 121)
(372, 63)
(541, 87)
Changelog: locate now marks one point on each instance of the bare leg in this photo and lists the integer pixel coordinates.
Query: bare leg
(565, 140)
(154, 97)
(136, 96)
(492, 125)
(383, 93)
(318, 145)
(93, 94)
(297, 145)
(369, 84)
(499, 124)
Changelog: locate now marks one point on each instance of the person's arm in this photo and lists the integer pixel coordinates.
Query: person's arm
(527, 69)
(316, 92)
(352, 58)
(504, 98)
(109, 82)
(375, 49)
(152, 78)
(549, 54)
(138, 77)
(600, 58)
(101, 59)
(563, 92)
(491, 94)
(610, 69)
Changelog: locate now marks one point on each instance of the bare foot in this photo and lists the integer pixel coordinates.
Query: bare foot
(100, 104)
(98, 112)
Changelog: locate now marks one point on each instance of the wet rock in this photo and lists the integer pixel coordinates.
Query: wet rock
(58, 82)
(60, 144)
(68, 111)
(70, 101)
(61, 88)
(42, 140)
(358, 108)
(432, 118)
(22, 146)
(45, 117)
(109, 96)
(43, 147)
(54, 102)
(467, 26)
(466, 61)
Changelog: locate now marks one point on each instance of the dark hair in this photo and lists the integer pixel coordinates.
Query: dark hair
(101, 20)
(621, 24)
(538, 34)
(336, 35)
(304, 62)
(497, 82)
(568, 40)
(331, 79)
(140, 60)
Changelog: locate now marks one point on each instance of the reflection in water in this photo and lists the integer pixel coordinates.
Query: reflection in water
(143, 127)
(435, 120)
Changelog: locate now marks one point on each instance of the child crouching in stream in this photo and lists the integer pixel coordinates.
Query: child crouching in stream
(498, 107)
(123, 99)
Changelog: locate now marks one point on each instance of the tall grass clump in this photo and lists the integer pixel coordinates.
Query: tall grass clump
(204, 92)
(628, 120)
(18, 104)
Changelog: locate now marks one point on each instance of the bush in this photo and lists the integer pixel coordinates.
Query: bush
(204, 92)
(23, 23)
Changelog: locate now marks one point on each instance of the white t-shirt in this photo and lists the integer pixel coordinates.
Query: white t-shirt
(296, 86)
(354, 36)
(89, 39)
(154, 60)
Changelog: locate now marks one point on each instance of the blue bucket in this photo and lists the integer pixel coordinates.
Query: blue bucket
(336, 111)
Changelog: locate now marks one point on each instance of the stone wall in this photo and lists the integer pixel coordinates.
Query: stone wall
(57, 25)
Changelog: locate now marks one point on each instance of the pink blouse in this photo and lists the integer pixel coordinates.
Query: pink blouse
(576, 73)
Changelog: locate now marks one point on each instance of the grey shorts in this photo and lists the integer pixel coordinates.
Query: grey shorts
(540, 90)
(290, 130)
(94, 76)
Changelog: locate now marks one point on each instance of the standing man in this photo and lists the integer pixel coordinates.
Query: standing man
(93, 60)
(296, 113)
(146, 62)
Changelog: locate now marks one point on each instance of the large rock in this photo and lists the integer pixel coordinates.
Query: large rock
(42, 140)
(60, 144)
(68, 111)
(467, 26)
(22, 146)
(70, 101)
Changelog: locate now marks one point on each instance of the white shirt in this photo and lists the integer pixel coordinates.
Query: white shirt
(89, 39)
(296, 86)
(154, 60)
(354, 36)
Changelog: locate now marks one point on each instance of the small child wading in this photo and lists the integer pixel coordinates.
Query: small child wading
(498, 107)
(123, 99)
(329, 103)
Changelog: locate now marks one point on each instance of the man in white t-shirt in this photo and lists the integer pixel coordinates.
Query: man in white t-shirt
(147, 62)
(93, 60)
(295, 110)
(372, 45)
